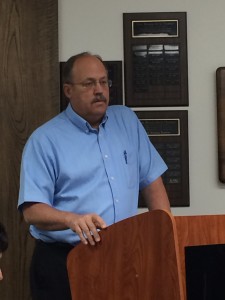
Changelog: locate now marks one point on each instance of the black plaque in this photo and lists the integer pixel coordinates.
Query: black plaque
(168, 132)
(63, 99)
(116, 91)
(155, 53)
(115, 74)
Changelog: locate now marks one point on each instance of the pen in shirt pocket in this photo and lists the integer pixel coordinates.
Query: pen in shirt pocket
(125, 156)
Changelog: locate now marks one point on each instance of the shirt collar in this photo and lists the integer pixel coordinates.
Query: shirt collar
(79, 121)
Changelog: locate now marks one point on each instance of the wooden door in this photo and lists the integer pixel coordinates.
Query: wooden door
(29, 96)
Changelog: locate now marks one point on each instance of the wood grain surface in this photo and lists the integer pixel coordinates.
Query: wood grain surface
(196, 231)
(136, 259)
(29, 96)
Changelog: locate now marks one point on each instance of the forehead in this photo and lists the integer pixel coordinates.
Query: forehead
(89, 67)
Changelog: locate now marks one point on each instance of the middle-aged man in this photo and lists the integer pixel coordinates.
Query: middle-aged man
(82, 171)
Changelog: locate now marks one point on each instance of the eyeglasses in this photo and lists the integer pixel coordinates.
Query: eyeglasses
(90, 84)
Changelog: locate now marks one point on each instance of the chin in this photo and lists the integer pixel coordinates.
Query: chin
(101, 107)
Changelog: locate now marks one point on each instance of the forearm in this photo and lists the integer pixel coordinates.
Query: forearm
(155, 196)
(46, 217)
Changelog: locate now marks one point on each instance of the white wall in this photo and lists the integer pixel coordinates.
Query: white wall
(97, 26)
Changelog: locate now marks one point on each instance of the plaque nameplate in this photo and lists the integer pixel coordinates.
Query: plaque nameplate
(161, 127)
(154, 28)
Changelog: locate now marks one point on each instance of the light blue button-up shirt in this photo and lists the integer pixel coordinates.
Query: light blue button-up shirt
(73, 167)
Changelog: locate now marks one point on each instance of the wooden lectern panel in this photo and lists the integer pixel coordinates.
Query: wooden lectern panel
(137, 258)
(196, 231)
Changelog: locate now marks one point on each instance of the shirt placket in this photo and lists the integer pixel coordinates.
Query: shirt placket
(110, 171)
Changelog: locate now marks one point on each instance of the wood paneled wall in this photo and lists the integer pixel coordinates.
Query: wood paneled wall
(29, 96)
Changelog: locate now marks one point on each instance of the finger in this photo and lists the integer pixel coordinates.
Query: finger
(87, 227)
(88, 233)
(99, 222)
(79, 231)
(94, 233)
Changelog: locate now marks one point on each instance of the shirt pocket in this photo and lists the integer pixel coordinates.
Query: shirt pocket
(131, 168)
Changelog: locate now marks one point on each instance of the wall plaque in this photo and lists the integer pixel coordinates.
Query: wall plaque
(220, 84)
(155, 59)
(168, 132)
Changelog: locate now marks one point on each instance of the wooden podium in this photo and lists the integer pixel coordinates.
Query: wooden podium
(137, 258)
(141, 258)
(198, 231)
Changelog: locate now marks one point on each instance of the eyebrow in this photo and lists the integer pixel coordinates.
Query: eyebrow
(92, 78)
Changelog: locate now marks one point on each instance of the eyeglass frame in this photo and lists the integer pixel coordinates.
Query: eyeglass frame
(92, 83)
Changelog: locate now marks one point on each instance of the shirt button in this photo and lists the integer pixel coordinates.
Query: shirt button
(106, 156)
(112, 177)
(116, 200)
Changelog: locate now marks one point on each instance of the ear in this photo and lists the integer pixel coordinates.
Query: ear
(67, 90)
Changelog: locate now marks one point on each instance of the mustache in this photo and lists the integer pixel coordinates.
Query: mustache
(99, 97)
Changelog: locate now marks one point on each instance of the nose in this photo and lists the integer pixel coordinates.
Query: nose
(1, 276)
(98, 89)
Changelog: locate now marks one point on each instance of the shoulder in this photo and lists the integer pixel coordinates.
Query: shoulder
(48, 130)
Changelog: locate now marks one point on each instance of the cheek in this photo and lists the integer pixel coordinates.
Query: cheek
(82, 101)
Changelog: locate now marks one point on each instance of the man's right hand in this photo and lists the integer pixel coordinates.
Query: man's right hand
(46, 217)
(86, 226)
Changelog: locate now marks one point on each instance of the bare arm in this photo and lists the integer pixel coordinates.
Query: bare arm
(155, 195)
(46, 217)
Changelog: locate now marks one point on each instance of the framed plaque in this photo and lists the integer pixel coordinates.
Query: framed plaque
(155, 59)
(116, 91)
(168, 132)
(220, 88)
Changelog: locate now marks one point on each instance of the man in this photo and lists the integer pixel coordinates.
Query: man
(3, 244)
(82, 171)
